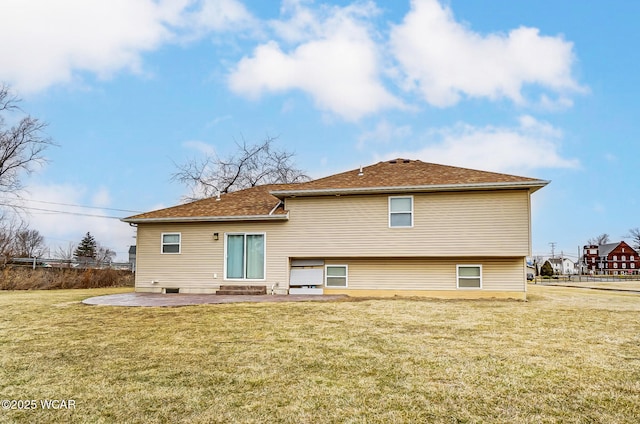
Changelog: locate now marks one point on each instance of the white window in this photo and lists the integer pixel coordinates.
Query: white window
(631, 258)
(469, 276)
(615, 258)
(615, 264)
(170, 242)
(335, 275)
(401, 212)
(624, 265)
(624, 258)
(633, 265)
(245, 256)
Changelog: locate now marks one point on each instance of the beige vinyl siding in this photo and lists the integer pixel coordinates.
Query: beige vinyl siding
(449, 229)
(445, 224)
(404, 274)
(201, 256)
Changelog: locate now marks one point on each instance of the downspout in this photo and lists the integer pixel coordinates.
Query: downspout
(275, 285)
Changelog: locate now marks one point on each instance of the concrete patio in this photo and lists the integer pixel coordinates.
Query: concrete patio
(167, 300)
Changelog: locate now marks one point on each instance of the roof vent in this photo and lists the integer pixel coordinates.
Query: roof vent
(218, 197)
(360, 174)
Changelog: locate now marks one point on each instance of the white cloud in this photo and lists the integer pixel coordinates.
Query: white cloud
(101, 198)
(445, 60)
(55, 41)
(218, 119)
(335, 60)
(553, 105)
(531, 145)
(200, 146)
(223, 15)
(384, 132)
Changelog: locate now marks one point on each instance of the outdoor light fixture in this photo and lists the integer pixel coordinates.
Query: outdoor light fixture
(215, 236)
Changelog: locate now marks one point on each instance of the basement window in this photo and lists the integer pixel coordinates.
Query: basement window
(335, 276)
(469, 276)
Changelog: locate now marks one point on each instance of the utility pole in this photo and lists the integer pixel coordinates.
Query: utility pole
(553, 249)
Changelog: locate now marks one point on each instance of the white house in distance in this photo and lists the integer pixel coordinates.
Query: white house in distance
(563, 266)
(399, 227)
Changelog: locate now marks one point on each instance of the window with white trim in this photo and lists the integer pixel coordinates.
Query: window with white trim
(400, 211)
(335, 275)
(170, 242)
(469, 276)
(245, 256)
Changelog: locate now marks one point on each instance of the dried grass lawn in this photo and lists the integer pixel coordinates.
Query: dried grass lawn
(567, 355)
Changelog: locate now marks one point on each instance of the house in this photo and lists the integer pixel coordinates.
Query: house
(611, 258)
(399, 227)
(132, 257)
(562, 266)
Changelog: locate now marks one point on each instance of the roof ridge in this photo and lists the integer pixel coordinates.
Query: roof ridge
(391, 176)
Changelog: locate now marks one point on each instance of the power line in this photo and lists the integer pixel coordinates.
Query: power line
(71, 204)
(65, 212)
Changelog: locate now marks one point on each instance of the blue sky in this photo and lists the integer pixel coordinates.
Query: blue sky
(544, 89)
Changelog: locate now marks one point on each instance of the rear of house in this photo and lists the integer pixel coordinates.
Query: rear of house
(394, 228)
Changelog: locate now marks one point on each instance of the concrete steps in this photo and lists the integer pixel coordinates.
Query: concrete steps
(242, 290)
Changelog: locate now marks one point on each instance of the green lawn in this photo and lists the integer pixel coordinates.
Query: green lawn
(567, 355)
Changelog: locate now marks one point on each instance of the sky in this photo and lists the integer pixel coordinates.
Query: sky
(129, 89)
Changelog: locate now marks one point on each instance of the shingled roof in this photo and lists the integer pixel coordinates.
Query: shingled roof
(394, 176)
(404, 175)
(252, 203)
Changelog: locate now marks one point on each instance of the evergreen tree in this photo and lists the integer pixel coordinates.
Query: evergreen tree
(87, 248)
(546, 270)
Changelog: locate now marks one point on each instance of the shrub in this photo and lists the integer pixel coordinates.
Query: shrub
(546, 270)
(22, 278)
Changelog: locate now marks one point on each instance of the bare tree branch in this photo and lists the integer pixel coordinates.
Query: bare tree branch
(634, 235)
(9, 228)
(249, 166)
(66, 253)
(600, 240)
(29, 244)
(22, 145)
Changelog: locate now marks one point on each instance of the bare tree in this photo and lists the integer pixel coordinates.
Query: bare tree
(104, 255)
(28, 244)
(600, 240)
(9, 227)
(66, 253)
(634, 235)
(251, 165)
(22, 145)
